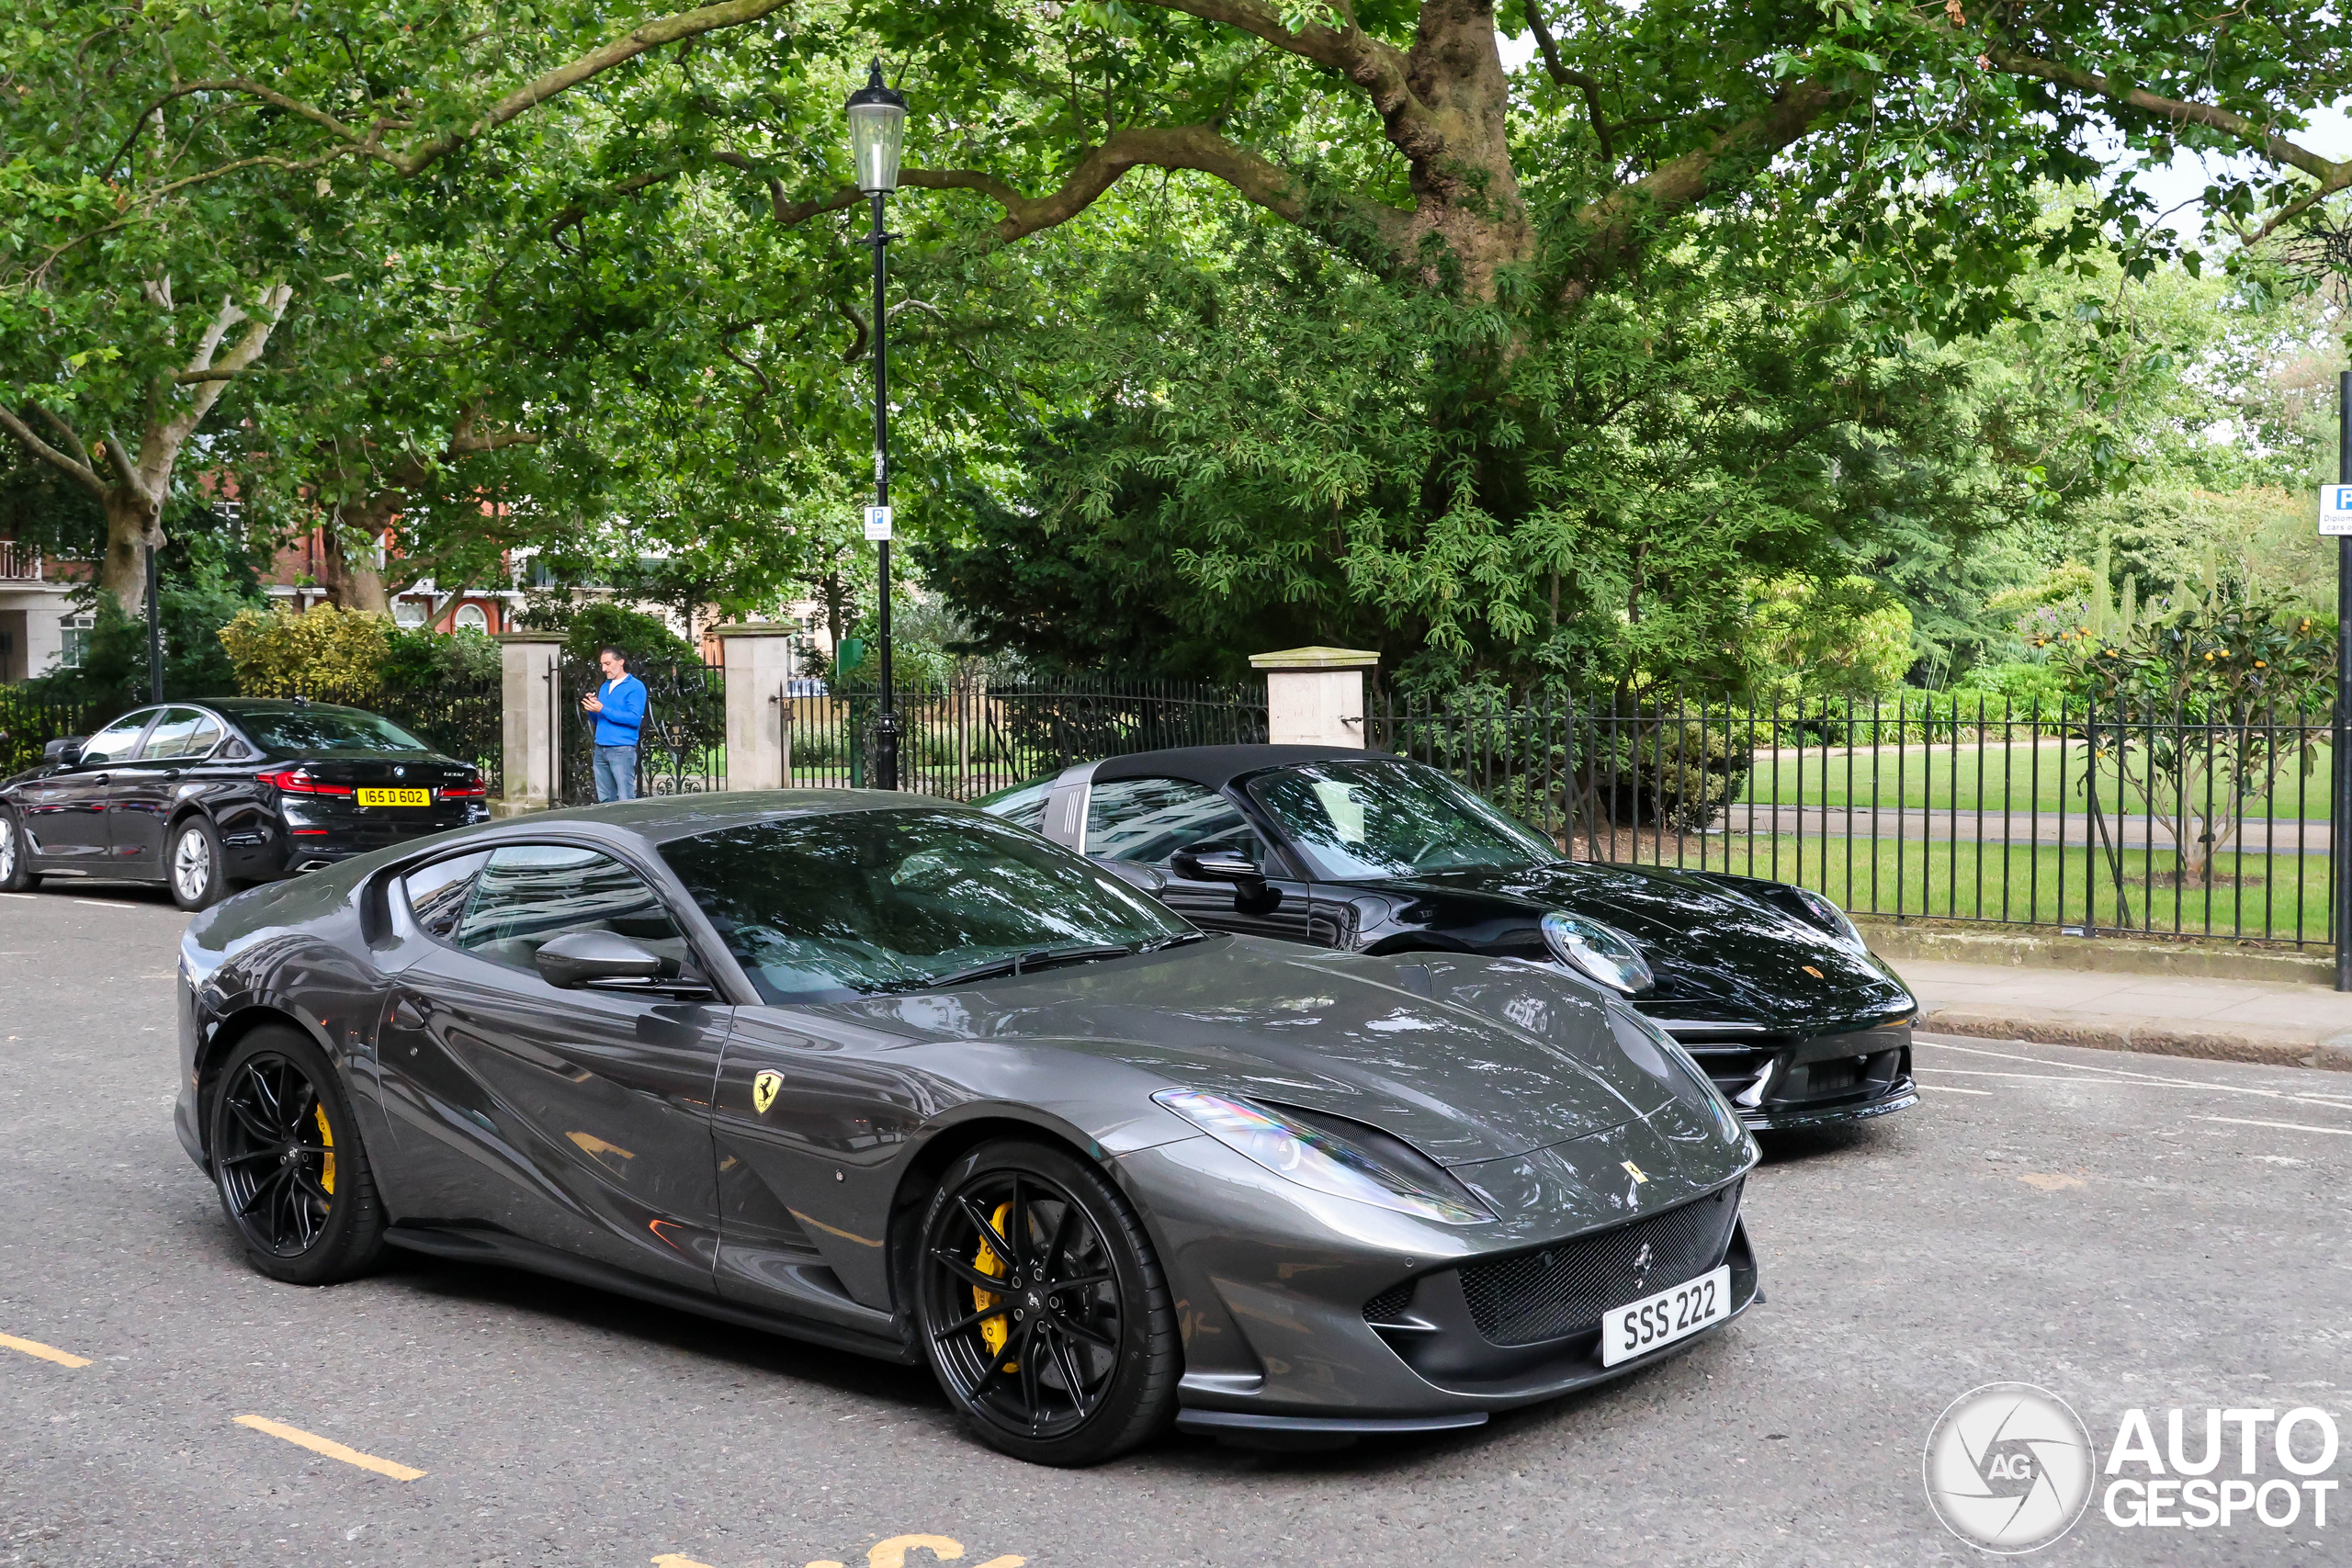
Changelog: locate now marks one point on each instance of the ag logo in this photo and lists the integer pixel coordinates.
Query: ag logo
(2008, 1468)
(763, 1089)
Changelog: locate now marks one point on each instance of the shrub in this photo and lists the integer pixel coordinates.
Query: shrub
(283, 652)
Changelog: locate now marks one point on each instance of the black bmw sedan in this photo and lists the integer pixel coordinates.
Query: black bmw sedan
(1768, 986)
(202, 795)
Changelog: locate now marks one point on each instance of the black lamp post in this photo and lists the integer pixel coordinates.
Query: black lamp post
(877, 123)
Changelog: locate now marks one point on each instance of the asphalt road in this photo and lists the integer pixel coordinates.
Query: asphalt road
(2123, 1231)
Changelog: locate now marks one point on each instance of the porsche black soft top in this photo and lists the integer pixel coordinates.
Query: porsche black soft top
(1217, 766)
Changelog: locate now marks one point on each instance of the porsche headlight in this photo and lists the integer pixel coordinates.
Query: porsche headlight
(1298, 1151)
(1602, 952)
(1820, 912)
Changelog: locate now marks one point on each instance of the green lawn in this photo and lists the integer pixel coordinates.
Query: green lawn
(2048, 776)
(1970, 880)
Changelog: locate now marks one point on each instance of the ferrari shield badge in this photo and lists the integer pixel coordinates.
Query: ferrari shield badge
(764, 1088)
(1634, 1172)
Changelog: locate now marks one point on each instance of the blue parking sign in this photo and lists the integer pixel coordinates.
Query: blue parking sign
(2334, 510)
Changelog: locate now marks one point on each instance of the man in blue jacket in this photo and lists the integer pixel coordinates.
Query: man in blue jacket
(619, 707)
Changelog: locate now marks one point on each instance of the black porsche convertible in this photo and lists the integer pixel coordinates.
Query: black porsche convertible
(1768, 985)
(896, 1077)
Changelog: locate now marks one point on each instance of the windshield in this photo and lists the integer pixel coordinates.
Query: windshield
(826, 908)
(328, 729)
(1358, 821)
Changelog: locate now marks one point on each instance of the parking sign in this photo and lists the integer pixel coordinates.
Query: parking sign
(878, 522)
(2334, 510)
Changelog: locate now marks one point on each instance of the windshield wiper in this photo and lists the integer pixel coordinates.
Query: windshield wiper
(1022, 963)
(1179, 939)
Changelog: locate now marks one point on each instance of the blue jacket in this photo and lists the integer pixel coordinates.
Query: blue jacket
(624, 713)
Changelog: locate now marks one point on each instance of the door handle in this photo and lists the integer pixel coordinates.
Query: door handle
(99, 778)
(406, 1016)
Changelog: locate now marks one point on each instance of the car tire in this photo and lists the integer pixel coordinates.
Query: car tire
(287, 1158)
(17, 875)
(1070, 1376)
(192, 864)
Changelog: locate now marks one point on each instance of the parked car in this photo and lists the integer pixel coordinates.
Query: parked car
(1768, 986)
(203, 795)
(892, 1076)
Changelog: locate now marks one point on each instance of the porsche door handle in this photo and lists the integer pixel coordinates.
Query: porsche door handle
(405, 1015)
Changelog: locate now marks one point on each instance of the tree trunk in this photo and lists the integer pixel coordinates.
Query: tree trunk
(133, 526)
(349, 574)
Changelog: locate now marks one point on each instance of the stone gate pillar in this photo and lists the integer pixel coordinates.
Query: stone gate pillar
(531, 708)
(759, 703)
(1315, 695)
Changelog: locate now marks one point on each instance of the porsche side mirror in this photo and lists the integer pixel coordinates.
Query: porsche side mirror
(65, 751)
(1134, 873)
(578, 959)
(1218, 867)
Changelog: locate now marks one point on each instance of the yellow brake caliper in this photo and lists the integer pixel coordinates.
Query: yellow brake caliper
(326, 1137)
(994, 1330)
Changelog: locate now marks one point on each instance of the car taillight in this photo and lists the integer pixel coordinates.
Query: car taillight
(472, 790)
(293, 781)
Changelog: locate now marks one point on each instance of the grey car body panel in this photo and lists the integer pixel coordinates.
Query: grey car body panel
(618, 1139)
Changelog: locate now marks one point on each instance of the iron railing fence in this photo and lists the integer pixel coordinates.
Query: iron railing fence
(1950, 806)
(681, 748)
(29, 724)
(962, 741)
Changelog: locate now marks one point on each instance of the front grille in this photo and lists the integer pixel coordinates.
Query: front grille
(1564, 1290)
(1830, 1077)
(1390, 1304)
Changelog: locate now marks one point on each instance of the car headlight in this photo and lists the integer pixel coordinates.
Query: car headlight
(1831, 918)
(1298, 1151)
(1602, 952)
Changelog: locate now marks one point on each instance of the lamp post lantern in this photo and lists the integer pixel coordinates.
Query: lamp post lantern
(877, 123)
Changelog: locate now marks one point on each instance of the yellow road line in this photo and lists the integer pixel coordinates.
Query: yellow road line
(319, 1445)
(46, 1352)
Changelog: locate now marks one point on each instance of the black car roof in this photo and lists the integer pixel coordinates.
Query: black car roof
(660, 818)
(1217, 766)
(234, 707)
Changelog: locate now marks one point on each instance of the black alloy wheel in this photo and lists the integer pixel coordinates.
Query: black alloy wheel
(294, 1180)
(16, 871)
(1043, 1308)
(193, 864)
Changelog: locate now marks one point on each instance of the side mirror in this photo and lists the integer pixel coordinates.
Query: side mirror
(1218, 865)
(577, 959)
(65, 751)
(1134, 873)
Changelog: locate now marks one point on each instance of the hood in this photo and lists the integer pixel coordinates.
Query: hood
(1467, 1060)
(1717, 953)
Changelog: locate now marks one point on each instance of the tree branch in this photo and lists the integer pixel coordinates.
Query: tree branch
(2332, 175)
(628, 46)
(1171, 147)
(1381, 70)
(81, 473)
(1566, 76)
(1610, 223)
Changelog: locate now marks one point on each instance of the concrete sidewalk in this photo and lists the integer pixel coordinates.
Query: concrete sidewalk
(2280, 1022)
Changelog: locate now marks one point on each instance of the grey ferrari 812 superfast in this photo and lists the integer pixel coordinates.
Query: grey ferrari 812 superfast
(896, 1077)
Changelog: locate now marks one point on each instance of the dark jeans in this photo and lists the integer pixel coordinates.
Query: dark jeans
(615, 772)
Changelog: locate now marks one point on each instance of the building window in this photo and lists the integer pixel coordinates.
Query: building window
(74, 640)
(408, 611)
(472, 618)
